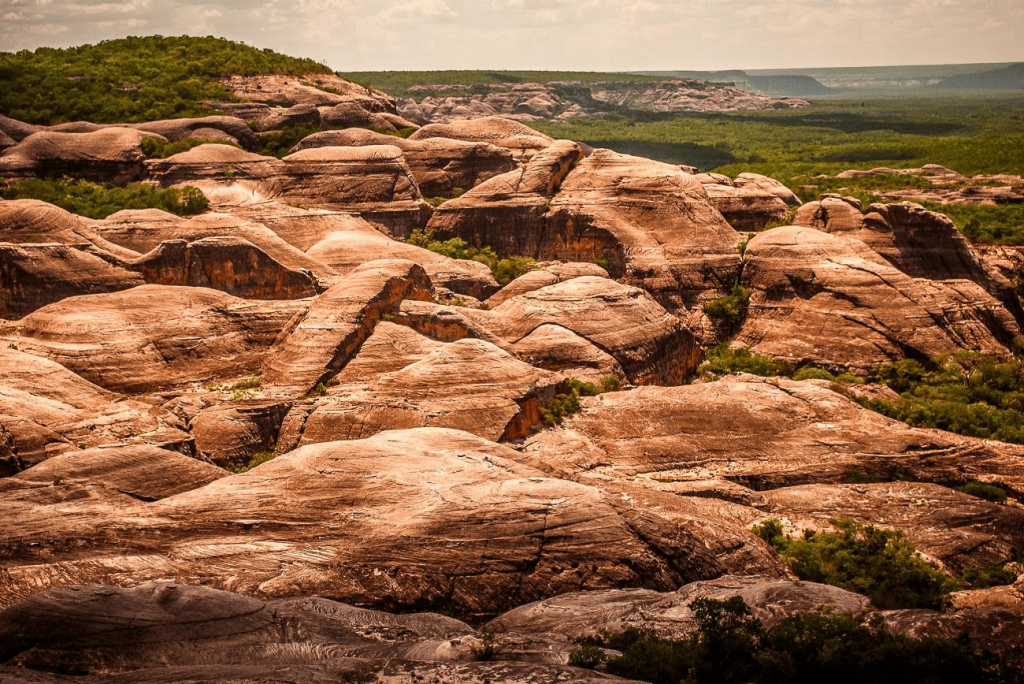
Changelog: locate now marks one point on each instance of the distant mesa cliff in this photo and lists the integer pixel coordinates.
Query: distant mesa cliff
(1007, 78)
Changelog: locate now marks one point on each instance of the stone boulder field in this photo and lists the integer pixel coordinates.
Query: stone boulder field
(472, 404)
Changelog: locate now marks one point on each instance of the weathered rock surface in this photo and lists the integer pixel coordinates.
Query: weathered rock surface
(836, 303)
(950, 187)
(229, 264)
(111, 154)
(227, 128)
(162, 631)
(140, 471)
(318, 345)
(522, 140)
(46, 410)
(232, 432)
(155, 337)
(750, 201)
(653, 224)
(761, 433)
(33, 222)
(32, 276)
(470, 385)
(346, 519)
(440, 165)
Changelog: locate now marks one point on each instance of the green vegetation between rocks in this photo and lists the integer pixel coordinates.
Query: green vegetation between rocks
(280, 143)
(259, 458)
(505, 269)
(731, 646)
(723, 359)
(99, 201)
(131, 79)
(566, 404)
(732, 307)
(881, 564)
(156, 148)
(968, 393)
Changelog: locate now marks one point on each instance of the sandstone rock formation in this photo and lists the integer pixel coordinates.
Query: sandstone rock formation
(836, 303)
(46, 410)
(108, 154)
(32, 276)
(155, 336)
(522, 140)
(342, 518)
(440, 165)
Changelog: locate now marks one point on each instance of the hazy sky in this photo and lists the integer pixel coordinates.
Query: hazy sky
(552, 34)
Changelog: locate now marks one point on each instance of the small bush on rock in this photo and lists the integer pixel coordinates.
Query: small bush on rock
(881, 564)
(731, 646)
(732, 306)
(505, 270)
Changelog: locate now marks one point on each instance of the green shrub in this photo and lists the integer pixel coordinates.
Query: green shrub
(984, 491)
(985, 578)
(723, 359)
(131, 79)
(99, 201)
(436, 201)
(505, 270)
(881, 564)
(400, 133)
(732, 306)
(280, 144)
(968, 393)
(566, 404)
(811, 373)
(258, 459)
(731, 646)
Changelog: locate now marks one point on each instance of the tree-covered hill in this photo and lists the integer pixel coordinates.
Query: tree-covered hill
(131, 79)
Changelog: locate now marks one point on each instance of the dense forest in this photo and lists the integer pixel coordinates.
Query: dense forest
(132, 79)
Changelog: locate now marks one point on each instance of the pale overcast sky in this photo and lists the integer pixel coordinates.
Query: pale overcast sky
(592, 35)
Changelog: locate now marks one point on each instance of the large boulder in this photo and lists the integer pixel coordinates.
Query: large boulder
(469, 384)
(47, 410)
(834, 302)
(522, 140)
(226, 128)
(229, 264)
(33, 221)
(32, 276)
(763, 433)
(441, 166)
(154, 337)
(112, 154)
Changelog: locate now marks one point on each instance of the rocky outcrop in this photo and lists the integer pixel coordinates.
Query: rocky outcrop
(652, 223)
(750, 202)
(442, 167)
(111, 154)
(942, 185)
(226, 128)
(46, 410)
(33, 222)
(232, 432)
(154, 337)
(141, 471)
(520, 139)
(834, 302)
(470, 385)
(762, 434)
(329, 334)
(163, 630)
(32, 276)
(229, 264)
(342, 518)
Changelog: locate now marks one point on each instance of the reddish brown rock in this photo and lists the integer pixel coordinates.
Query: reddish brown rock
(344, 517)
(32, 276)
(33, 222)
(522, 140)
(651, 345)
(229, 264)
(439, 165)
(834, 302)
(232, 432)
(141, 471)
(318, 345)
(46, 410)
(469, 384)
(762, 433)
(111, 154)
(203, 128)
(155, 337)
